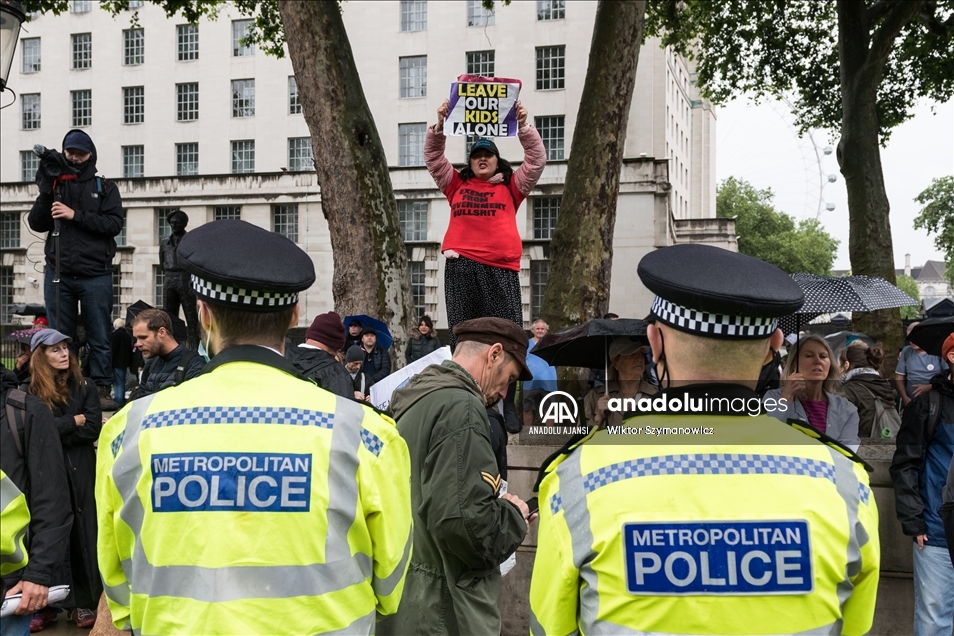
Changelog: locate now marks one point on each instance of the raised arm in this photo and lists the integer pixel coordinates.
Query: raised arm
(437, 164)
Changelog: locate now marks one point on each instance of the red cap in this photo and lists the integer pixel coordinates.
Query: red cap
(328, 330)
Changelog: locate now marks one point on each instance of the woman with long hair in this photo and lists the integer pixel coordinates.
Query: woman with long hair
(862, 384)
(56, 379)
(810, 392)
(423, 340)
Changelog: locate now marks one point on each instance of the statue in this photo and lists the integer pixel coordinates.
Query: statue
(175, 287)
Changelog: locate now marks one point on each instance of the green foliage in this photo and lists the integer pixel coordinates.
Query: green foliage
(783, 48)
(267, 31)
(773, 236)
(910, 287)
(937, 217)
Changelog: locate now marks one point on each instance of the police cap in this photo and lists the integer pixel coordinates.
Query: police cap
(715, 293)
(239, 265)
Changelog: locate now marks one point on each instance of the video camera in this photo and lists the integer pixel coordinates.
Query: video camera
(53, 165)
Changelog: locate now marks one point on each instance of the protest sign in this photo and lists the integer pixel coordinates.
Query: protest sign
(483, 106)
(382, 389)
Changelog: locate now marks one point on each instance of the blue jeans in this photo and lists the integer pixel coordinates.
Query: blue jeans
(94, 295)
(15, 625)
(933, 591)
(119, 386)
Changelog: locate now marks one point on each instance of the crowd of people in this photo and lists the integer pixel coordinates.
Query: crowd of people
(251, 479)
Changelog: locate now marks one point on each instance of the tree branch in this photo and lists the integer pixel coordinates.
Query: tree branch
(876, 11)
(935, 26)
(896, 17)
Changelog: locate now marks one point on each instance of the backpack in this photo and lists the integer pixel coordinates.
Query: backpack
(887, 421)
(16, 413)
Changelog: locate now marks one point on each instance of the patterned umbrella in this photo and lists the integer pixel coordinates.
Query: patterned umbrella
(24, 336)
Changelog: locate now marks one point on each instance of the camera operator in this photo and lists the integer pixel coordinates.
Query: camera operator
(87, 211)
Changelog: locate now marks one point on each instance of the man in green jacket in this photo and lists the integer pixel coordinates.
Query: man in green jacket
(463, 528)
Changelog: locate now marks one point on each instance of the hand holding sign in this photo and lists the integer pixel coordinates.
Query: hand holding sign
(482, 107)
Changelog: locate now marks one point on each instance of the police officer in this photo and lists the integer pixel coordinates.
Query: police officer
(14, 521)
(248, 500)
(704, 517)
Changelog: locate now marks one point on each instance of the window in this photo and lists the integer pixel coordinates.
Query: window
(158, 281)
(418, 278)
(243, 98)
(29, 162)
(134, 47)
(31, 55)
(550, 63)
(539, 273)
(285, 221)
(299, 154)
(133, 158)
(243, 156)
(411, 144)
(81, 6)
(10, 229)
(240, 29)
(226, 212)
(30, 111)
(187, 102)
(163, 229)
(136, 4)
(551, 9)
(480, 63)
(187, 36)
(134, 104)
(546, 211)
(121, 237)
(117, 291)
(82, 50)
(187, 159)
(294, 106)
(551, 131)
(6, 294)
(477, 15)
(413, 218)
(82, 108)
(413, 15)
(414, 76)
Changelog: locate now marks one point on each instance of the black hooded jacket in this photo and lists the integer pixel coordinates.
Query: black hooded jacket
(41, 475)
(323, 368)
(87, 242)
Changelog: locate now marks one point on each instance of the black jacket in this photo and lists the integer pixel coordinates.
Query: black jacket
(323, 368)
(87, 242)
(160, 372)
(121, 342)
(377, 364)
(41, 476)
(419, 346)
(862, 390)
(919, 469)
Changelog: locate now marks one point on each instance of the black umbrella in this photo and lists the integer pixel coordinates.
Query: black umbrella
(29, 309)
(586, 345)
(930, 334)
(179, 330)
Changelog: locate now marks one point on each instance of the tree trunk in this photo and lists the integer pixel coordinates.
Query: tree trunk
(352, 171)
(581, 254)
(870, 245)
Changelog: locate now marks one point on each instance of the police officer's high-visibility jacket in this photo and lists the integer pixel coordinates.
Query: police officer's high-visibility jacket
(14, 521)
(764, 532)
(250, 501)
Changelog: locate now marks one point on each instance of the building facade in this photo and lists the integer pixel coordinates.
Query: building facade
(189, 116)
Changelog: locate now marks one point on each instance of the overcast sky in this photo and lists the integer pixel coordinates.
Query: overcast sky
(758, 143)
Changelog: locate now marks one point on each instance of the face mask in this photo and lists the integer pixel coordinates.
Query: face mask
(203, 352)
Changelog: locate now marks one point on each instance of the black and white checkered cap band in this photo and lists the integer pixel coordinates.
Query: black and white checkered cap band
(713, 325)
(232, 295)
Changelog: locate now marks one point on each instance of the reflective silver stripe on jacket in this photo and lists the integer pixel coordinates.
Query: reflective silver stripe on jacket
(8, 494)
(340, 570)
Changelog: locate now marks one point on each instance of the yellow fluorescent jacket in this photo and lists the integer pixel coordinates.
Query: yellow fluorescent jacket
(246, 499)
(14, 521)
(773, 534)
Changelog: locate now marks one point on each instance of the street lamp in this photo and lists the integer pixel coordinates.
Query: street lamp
(11, 17)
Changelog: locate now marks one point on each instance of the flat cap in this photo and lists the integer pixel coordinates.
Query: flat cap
(715, 293)
(501, 331)
(242, 266)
